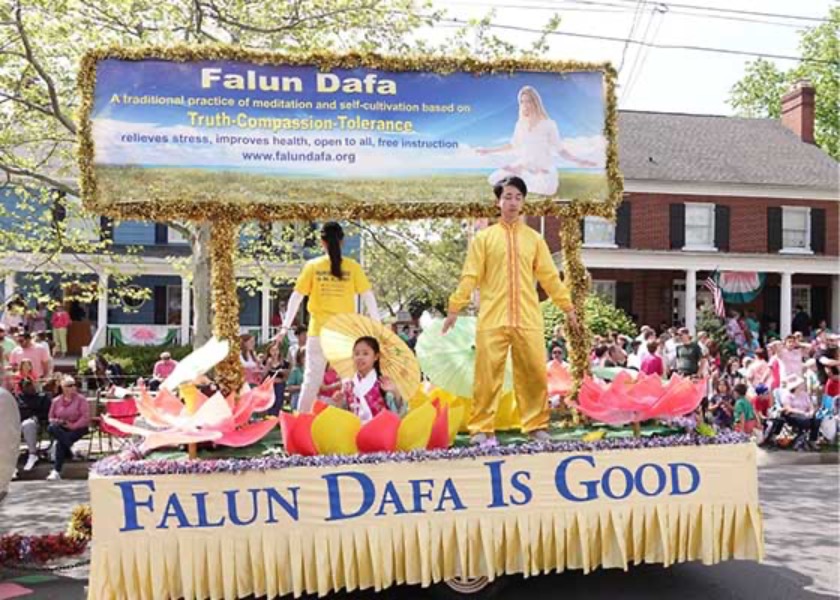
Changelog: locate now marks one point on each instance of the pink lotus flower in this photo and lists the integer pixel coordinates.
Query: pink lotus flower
(627, 401)
(215, 419)
(143, 334)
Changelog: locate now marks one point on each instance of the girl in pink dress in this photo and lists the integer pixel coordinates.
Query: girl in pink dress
(368, 393)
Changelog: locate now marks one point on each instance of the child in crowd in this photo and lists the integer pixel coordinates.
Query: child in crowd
(721, 405)
(368, 393)
(25, 372)
(744, 415)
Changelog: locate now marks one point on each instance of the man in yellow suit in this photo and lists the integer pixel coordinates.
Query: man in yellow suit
(505, 261)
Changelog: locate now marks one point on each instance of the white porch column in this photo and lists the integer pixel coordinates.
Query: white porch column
(835, 303)
(9, 284)
(265, 310)
(102, 306)
(186, 304)
(785, 305)
(691, 299)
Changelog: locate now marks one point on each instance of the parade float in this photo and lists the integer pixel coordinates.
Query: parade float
(346, 505)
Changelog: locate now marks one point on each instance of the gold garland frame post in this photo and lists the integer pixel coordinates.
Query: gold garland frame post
(226, 215)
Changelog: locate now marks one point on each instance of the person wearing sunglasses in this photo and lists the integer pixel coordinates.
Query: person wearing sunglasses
(69, 419)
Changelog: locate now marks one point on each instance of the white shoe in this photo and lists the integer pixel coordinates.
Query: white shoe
(15, 474)
(30, 462)
(54, 476)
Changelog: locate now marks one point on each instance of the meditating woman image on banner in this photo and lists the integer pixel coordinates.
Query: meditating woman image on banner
(331, 282)
(535, 142)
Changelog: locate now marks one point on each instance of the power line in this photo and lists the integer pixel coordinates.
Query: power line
(636, 14)
(592, 6)
(735, 11)
(589, 36)
(631, 82)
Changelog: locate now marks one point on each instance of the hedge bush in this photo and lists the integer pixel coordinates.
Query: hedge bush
(601, 318)
(135, 361)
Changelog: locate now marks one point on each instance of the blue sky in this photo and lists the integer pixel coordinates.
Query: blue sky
(573, 101)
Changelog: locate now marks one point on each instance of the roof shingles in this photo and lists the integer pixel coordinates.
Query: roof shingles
(717, 149)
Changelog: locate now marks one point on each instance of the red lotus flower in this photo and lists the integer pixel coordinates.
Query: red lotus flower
(337, 428)
(216, 419)
(627, 401)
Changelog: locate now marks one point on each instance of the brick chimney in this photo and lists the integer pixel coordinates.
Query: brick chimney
(798, 110)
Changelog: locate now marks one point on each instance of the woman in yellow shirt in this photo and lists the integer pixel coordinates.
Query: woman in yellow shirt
(331, 282)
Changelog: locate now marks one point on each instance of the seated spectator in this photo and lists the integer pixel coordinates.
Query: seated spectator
(797, 409)
(761, 400)
(722, 406)
(38, 356)
(69, 418)
(34, 410)
(330, 384)
(162, 369)
(25, 372)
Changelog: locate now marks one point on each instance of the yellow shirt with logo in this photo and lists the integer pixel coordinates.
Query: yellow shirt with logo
(505, 262)
(328, 295)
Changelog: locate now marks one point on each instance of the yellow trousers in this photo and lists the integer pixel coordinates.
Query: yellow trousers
(529, 377)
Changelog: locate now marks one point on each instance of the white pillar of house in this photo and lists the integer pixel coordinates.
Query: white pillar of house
(102, 307)
(265, 310)
(9, 284)
(186, 305)
(691, 299)
(835, 303)
(786, 305)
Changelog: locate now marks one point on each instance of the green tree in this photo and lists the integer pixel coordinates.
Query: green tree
(759, 92)
(413, 266)
(41, 42)
(600, 315)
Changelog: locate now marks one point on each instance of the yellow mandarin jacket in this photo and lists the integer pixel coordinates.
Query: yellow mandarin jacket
(504, 262)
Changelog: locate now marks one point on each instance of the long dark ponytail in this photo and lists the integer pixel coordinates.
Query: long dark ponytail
(332, 234)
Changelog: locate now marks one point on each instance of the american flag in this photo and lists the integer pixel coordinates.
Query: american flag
(711, 285)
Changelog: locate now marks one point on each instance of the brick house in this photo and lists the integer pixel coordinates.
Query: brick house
(712, 192)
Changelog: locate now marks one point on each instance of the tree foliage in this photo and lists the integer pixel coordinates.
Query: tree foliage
(759, 92)
(413, 266)
(600, 315)
(41, 42)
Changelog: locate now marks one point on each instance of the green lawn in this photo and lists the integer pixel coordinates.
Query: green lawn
(119, 184)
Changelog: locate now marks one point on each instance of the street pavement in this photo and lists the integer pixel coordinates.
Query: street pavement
(802, 538)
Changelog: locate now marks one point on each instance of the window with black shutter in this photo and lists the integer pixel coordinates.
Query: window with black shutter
(624, 296)
(622, 225)
(818, 230)
(774, 229)
(819, 304)
(161, 234)
(106, 228)
(722, 227)
(160, 304)
(677, 226)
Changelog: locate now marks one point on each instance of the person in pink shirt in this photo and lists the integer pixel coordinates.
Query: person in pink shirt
(792, 358)
(69, 418)
(652, 363)
(38, 355)
(60, 323)
(162, 369)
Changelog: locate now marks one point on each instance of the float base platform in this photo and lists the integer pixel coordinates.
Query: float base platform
(280, 525)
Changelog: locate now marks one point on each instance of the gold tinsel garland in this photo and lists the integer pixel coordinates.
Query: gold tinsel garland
(330, 204)
(577, 278)
(226, 216)
(223, 239)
